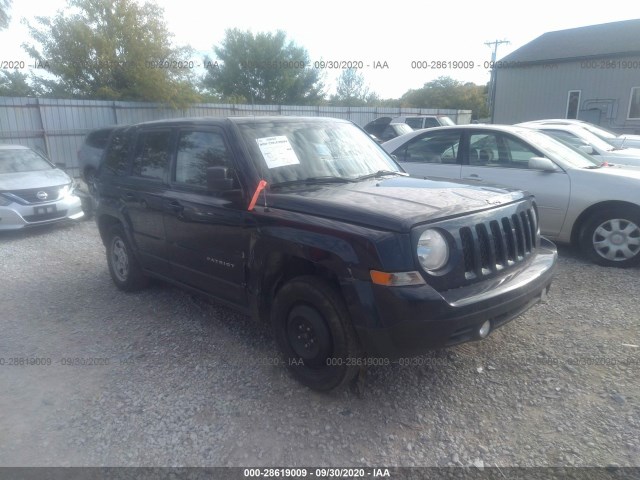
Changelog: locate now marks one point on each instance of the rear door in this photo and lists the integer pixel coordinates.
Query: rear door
(207, 232)
(142, 195)
(503, 159)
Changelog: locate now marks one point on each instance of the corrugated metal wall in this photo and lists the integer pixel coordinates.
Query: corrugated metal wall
(58, 127)
(541, 91)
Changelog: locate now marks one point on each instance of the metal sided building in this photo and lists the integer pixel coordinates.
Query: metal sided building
(591, 73)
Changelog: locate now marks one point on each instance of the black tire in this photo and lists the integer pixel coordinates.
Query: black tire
(314, 332)
(123, 266)
(611, 237)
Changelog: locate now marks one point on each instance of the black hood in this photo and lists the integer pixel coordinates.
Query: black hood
(395, 204)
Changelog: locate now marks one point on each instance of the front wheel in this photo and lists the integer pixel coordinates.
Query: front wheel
(314, 332)
(124, 268)
(612, 237)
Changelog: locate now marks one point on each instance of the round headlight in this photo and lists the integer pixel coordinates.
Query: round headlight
(433, 250)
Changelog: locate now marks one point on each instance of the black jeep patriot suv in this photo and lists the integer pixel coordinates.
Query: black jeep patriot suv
(306, 223)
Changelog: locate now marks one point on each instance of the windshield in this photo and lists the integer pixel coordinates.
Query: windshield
(446, 121)
(560, 150)
(585, 136)
(601, 132)
(299, 150)
(21, 160)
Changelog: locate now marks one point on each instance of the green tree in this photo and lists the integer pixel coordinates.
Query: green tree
(446, 92)
(111, 50)
(263, 68)
(4, 14)
(16, 84)
(352, 90)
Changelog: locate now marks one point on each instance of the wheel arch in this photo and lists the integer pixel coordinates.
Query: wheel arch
(105, 224)
(280, 267)
(591, 210)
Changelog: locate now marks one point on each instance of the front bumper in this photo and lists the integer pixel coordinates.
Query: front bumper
(395, 322)
(15, 215)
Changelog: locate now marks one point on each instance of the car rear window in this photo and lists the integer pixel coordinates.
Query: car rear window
(98, 138)
(115, 160)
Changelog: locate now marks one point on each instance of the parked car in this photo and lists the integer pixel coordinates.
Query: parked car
(580, 201)
(617, 140)
(307, 224)
(383, 129)
(425, 121)
(33, 191)
(90, 152)
(587, 141)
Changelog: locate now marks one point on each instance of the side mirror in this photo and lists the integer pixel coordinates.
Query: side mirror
(586, 149)
(541, 163)
(217, 179)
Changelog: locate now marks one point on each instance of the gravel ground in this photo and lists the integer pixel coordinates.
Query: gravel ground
(177, 380)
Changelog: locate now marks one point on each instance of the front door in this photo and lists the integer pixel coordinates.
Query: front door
(207, 232)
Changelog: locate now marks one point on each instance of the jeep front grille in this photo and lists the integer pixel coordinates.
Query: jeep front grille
(493, 245)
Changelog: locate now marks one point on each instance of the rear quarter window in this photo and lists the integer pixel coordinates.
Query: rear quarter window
(117, 153)
(98, 139)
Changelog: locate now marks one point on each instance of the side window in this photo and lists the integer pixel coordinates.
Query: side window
(519, 152)
(497, 150)
(439, 147)
(98, 139)
(431, 122)
(414, 122)
(198, 151)
(117, 153)
(484, 150)
(151, 159)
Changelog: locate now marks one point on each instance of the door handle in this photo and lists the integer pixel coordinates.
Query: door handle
(129, 196)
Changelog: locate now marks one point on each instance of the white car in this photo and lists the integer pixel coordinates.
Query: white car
(580, 137)
(618, 140)
(580, 201)
(33, 191)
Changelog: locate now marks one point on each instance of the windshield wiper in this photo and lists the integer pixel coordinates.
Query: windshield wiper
(381, 173)
(313, 181)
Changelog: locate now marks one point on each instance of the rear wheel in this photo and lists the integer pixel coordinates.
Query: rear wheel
(314, 332)
(612, 237)
(124, 268)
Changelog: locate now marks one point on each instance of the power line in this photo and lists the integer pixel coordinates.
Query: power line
(491, 97)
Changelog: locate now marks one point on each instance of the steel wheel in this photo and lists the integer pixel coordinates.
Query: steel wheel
(313, 329)
(309, 336)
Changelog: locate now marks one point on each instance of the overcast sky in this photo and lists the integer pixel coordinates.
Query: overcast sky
(398, 33)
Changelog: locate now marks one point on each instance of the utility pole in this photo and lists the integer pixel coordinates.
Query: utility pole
(491, 97)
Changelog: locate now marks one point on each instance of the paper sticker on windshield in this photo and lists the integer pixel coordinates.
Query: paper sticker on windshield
(277, 151)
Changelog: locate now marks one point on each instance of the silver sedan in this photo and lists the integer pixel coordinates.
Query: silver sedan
(580, 201)
(33, 191)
